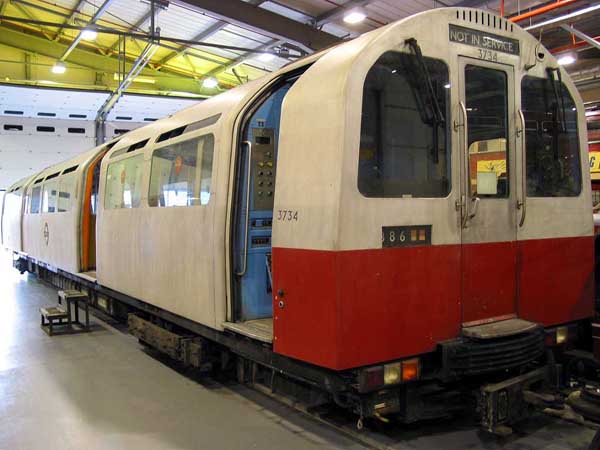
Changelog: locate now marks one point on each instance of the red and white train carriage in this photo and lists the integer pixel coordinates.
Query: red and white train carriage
(372, 221)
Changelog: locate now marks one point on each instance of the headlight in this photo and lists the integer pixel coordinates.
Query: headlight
(392, 373)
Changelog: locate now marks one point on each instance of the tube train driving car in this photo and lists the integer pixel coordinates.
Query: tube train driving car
(370, 223)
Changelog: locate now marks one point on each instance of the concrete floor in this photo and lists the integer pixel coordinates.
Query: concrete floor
(101, 391)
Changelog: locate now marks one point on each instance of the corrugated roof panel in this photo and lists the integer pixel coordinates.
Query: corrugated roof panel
(282, 10)
(182, 23)
(269, 66)
(126, 12)
(247, 34)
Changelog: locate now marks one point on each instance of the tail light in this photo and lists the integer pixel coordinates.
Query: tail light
(377, 377)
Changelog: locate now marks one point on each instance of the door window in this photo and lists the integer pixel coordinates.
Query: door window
(404, 141)
(551, 140)
(486, 100)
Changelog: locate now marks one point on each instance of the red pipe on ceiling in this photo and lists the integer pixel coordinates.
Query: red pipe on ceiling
(575, 45)
(542, 10)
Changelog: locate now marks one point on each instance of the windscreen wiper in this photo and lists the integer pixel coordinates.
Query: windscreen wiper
(435, 104)
(437, 114)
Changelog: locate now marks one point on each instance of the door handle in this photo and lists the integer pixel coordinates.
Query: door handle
(475, 203)
(242, 272)
(522, 204)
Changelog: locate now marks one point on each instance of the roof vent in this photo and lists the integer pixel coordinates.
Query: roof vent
(485, 19)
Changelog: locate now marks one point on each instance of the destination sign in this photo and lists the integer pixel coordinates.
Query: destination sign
(481, 39)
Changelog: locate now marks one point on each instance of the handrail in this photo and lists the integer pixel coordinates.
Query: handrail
(466, 181)
(522, 204)
(242, 272)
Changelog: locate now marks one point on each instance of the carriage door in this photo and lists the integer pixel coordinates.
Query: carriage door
(488, 191)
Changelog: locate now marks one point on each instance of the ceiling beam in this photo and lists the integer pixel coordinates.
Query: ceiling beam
(93, 20)
(262, 21)
(594, 43)
(32, 16)
(240, 60)
(71, 17)
(172, 79)
(213, 29)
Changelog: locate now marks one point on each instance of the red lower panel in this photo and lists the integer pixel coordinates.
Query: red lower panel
(489, 280)
(359, 307)
(389, 303)
(556, 282)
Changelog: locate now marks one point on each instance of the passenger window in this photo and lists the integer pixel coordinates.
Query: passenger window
(35, 200)
(551, 139)
(404, 138)
(124, 183)
(49, 196)
(486, 100)
(181, 173)
(64, 193)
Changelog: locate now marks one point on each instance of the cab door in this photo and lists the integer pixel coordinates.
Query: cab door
(488, 191)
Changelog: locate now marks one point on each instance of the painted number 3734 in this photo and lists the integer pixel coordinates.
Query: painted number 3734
(488, 55)
(287, 215)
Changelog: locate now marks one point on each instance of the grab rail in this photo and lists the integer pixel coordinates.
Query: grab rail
(242, 272)
(522, 204)
(465, 154)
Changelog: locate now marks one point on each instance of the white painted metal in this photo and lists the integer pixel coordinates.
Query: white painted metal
(177, 258)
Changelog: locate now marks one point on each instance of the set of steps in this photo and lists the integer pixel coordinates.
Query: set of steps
(64, 318)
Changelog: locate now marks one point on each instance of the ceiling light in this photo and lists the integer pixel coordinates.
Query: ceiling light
(566, 58)
(59, 67)
(354, 17)
(579, 12)
(89, 35)
(266, 57)
(210, 83)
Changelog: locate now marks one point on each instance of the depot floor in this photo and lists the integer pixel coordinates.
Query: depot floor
(101, 391)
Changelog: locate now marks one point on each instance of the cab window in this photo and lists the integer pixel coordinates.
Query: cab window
(553, 163)
(404, 132)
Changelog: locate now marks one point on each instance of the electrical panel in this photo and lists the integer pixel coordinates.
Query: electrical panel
(263, 166)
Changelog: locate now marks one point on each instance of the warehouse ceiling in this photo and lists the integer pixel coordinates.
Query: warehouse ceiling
(198, 48)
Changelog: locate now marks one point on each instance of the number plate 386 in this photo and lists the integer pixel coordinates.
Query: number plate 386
(405, 236)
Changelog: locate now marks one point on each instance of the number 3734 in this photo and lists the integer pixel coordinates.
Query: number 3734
(287, 215)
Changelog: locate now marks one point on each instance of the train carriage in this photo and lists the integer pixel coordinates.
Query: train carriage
(372, 221)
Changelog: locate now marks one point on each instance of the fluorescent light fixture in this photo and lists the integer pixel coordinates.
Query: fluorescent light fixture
(266, 57)
(89, 35)
(210, 83)
(59, 67)
(579, 12)
(566, 58)
(354, 17)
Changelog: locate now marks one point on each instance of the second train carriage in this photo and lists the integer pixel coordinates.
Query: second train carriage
(372, 220)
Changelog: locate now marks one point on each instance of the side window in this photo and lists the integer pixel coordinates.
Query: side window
(124, 183)
(66, 185)
(49, 196)
(553, 163)
(35, 200)
(181, 173)
(404, 144)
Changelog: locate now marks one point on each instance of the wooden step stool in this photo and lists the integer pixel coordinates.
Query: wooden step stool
(52, 316)
(67, 315)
